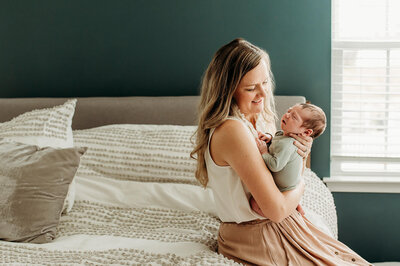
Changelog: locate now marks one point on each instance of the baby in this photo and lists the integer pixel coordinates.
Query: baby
(281, 156)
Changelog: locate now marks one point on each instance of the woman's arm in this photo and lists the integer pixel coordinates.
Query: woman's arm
(256, 208)
(232, 144)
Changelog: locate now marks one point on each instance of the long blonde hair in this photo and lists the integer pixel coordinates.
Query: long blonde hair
(228, 66)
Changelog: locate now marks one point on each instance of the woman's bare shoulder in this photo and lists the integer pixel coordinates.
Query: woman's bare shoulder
(226, 139)
(230, 127)
(230, 134)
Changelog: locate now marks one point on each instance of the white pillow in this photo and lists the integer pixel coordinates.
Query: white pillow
(48, 127)
(318, 199)
(143, 153)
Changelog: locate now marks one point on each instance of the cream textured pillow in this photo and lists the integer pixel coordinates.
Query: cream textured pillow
(33, 185)
(144, 153)
(48, 127)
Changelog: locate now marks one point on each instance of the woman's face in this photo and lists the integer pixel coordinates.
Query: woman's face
(251, 91)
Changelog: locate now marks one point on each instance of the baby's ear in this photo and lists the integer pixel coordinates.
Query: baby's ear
(307, 132)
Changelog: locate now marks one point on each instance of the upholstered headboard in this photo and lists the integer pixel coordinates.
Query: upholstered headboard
(97, 111)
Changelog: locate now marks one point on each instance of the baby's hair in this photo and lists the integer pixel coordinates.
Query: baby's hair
(317, 122)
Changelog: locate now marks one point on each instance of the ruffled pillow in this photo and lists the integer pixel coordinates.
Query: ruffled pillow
(48, 127)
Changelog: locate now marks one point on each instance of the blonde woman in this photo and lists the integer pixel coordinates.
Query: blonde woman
(236, 102)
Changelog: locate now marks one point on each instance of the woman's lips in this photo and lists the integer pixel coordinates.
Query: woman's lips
(258, 101)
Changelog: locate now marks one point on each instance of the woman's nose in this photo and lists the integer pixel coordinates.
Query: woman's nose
(262, 91)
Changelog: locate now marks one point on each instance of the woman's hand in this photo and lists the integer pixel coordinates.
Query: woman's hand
(300, 210)
(255, 207)
(303, 143)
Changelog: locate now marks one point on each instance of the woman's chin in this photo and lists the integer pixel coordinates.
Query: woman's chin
(258, 109)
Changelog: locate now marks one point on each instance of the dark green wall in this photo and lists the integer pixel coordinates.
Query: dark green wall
(156, 47)
(369, 223)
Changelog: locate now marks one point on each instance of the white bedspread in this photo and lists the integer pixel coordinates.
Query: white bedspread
(155, 216)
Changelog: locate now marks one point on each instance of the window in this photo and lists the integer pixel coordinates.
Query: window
(365, 114)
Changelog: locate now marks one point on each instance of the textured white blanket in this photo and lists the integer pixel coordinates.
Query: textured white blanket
(137, 203)
(94, 233)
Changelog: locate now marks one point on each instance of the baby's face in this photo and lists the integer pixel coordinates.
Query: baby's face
(293, 119)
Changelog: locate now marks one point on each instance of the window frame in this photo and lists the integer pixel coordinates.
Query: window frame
(341, 181)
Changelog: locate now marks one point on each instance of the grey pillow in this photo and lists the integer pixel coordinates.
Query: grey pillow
(33, 185)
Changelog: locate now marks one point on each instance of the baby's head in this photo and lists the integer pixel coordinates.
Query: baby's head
(304, 119)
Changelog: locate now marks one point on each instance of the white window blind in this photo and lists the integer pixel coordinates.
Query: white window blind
(365, 109)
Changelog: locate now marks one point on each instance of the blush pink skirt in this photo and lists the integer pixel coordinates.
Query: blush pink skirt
(294, 241)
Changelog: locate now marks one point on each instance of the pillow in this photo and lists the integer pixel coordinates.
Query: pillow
(34, 183)
(49, 127)
(144, 153)
(317, 200)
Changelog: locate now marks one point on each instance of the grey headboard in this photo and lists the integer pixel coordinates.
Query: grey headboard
(97, 111)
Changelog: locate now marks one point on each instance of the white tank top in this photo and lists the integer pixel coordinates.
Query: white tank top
(231, 196)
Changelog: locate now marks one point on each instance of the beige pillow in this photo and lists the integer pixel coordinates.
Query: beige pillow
(33, 185)
(47, 127)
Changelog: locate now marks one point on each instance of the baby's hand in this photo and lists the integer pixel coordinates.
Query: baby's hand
(262, 146)
(265, 137)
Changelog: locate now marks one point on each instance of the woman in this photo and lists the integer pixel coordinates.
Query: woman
(236, 103)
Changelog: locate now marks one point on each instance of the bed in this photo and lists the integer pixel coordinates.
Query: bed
(133, 199)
